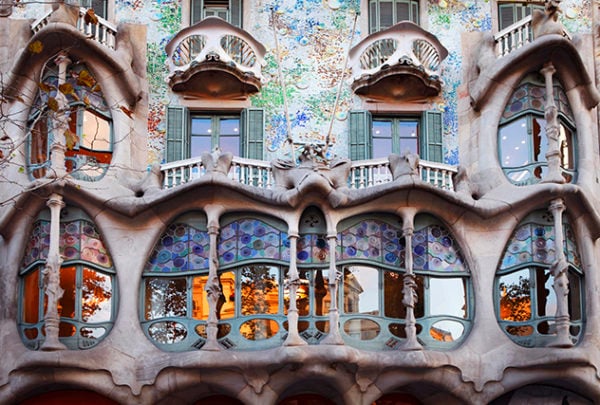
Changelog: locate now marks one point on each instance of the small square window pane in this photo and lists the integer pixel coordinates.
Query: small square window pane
(200, 144)
(201, 126)
(229, 126)
(230, 144)
(382, 128)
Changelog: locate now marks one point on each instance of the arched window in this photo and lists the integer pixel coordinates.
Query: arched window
(87, 276)
(525, 299)
(522, 141)
(88, 134)
(371, 255)
(252, 252)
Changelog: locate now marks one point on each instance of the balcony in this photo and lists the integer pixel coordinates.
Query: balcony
(215, 59)
(516, 36)
(401, 63)
(102, 32)
(258, 173)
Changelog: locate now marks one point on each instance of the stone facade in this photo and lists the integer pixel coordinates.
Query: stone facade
(138, 271)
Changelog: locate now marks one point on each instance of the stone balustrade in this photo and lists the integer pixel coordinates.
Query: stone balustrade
(103, 31)
(258, 173)
(516, 36)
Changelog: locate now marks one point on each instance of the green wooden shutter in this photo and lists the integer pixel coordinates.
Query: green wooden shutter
(432, 124)
(359, 135)
(253, 124)
(373, 16)
(235, 11)
(196, 11)
(177, 134)
(506, 15)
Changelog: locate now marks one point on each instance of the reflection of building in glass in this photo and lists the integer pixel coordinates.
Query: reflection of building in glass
(299, 202)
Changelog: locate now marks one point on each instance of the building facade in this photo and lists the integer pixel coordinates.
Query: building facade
(300, 202)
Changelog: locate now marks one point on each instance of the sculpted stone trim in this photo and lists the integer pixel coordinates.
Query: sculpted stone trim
(556, 49)
(58, 36)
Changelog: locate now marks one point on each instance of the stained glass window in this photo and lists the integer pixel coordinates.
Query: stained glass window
(526, 300)
(371, 254)
(89, 135)
(252, 239)
(522, 139)
(182, 247)
(87, 305)
(250, 308)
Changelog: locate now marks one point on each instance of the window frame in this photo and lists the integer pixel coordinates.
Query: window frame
(178, 137)
(374, 12)
(536, 168)
(526, 8)
(430, 137)
(198, 8)
(534, 267)
(396, 122)
(74, 342)
(425, 319)
(215, 130)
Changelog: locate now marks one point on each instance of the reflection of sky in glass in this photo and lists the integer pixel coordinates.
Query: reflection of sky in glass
(514, 145)
(447, 297)
(456, 329)
(201, 136)
(382, 138)
(409, 131)
(551, 298)
(368, 278)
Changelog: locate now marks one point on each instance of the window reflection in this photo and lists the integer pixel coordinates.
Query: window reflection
(96, 296)
(259, 290)
(165, 297)
(361, 290)
(447, 296)
(522, 138)
(515, 296)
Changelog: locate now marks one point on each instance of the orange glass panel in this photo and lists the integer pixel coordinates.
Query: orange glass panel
(515, 296)
(200, 299)
(96, 296)
(66, 305)
(66, 329)
(31, 297)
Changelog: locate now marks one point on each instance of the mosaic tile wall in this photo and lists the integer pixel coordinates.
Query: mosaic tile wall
(313, 36)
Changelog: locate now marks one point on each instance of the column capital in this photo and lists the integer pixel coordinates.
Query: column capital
(557, 206)
(548, 69)
(55, 200)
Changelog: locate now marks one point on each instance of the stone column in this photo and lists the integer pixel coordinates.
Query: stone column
(213, 292)
(60, 122)
(409, 293)
(51, 274)
(552, 130)
(293, 337)
(335, 276)
(561, 281)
